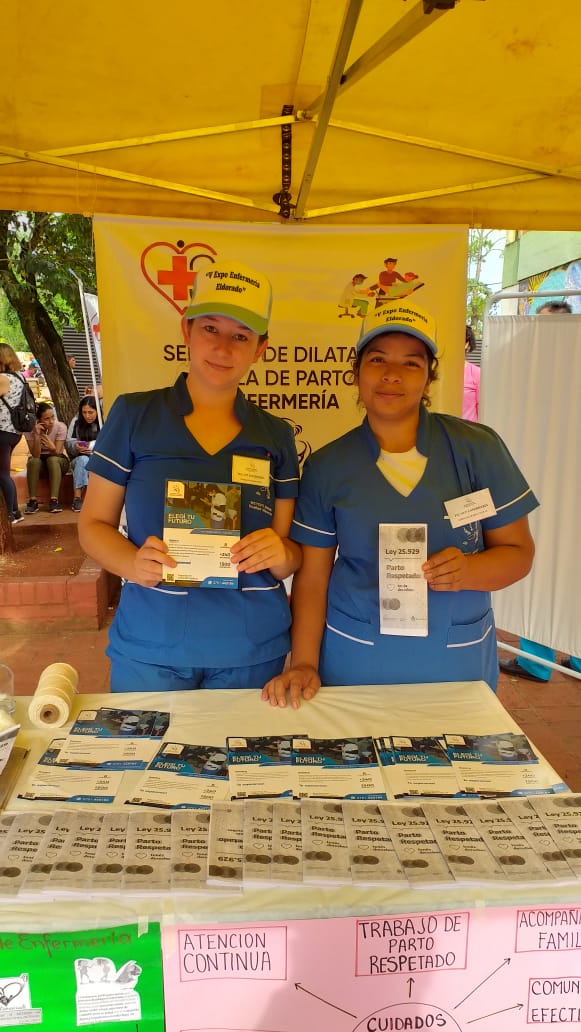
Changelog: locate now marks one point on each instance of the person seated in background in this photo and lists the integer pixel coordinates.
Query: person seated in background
(81, 436)
(11, 388)
(471, 397)
(46, 444)
(528, 668)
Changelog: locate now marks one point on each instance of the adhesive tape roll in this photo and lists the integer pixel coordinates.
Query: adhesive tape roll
(52, 701)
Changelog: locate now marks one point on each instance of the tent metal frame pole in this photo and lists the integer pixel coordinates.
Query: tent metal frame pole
(327, 99)
(464, 152)
(490, 301)
(411, 25)
(145, 141)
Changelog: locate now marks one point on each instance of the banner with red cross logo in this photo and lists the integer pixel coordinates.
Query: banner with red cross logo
(326, 280)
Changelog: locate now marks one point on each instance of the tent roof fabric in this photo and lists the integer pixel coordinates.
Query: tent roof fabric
(468, 115)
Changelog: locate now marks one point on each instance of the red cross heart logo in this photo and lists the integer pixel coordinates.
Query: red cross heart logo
(171, 269)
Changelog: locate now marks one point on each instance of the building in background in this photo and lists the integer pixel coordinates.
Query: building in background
(541, 261)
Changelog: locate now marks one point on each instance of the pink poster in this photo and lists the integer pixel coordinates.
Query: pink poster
(499, 969)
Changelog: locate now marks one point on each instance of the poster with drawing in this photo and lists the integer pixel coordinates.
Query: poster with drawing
(503, 968)
(106, 978)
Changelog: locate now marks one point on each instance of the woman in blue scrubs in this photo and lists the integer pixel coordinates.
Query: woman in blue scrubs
(202, 431)
(446, 485)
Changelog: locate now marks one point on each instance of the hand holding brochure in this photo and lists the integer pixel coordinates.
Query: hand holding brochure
(201, 522)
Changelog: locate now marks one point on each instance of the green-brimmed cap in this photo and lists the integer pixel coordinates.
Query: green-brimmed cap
(399, 318)
(234, 290)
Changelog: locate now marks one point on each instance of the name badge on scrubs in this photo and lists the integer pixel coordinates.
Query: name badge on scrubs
(403, 589)
(470, 508)
(248, 470)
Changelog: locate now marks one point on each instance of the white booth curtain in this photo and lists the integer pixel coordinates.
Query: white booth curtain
(530, 387)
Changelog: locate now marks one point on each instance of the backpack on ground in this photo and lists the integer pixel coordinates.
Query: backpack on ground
(23, 414)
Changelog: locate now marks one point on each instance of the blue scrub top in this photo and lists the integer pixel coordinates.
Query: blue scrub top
(344, 497)
(145, 441)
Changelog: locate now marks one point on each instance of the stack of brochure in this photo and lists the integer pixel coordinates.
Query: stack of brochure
(87, 765)
(239, 845)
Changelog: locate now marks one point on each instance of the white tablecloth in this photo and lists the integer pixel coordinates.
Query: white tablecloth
(208, 716)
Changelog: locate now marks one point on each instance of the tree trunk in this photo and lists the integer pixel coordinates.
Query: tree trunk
(6, 535)
(42, 338)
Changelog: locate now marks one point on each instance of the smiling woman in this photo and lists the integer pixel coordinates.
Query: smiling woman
(406, 524)
(201, 431)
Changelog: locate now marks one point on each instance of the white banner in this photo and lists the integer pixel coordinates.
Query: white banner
(531, 371)
(324, 280)
(92, 309)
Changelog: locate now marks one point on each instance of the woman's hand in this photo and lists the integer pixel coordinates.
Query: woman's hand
(259, 551)
(507, 556)
(447, 570)
(302, 680)
(149, 561)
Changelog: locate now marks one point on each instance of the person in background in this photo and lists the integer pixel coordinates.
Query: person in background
(81, 436)
(519, 666)
(471, 398)
(202, 430)
(11, 387)
(46, 445)
(403, 466)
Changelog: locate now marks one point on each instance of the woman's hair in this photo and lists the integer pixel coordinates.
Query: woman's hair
(9, 360)
(470, 338)
(432, 368)
(556, 306)
(42, 407)
(87, 431)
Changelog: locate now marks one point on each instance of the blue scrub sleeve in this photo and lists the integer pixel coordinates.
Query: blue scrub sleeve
(493, 466)
(112, 457)
(314, 520)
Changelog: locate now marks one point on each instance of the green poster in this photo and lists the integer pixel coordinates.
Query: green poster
(103, 979)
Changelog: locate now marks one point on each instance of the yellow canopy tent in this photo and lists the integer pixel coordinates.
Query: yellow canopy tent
(391, 114)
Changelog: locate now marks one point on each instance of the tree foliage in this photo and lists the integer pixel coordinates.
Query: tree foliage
(40, 255)
(480, 243)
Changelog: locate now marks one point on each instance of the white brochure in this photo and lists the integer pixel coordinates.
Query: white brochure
(561, 815)
(524, 815)
(337, 768)
(415, 844)
(287, 843)
(464, 848)
(257, 863)
(403, 589)
(416, 766)
(372, 856)
(147, 861)
(69, 785)
(498, 764)
(518, 860)
(325, 846)
(183, 775)
(226, 844)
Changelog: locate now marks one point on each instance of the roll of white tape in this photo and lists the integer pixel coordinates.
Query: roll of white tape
(52, 701)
